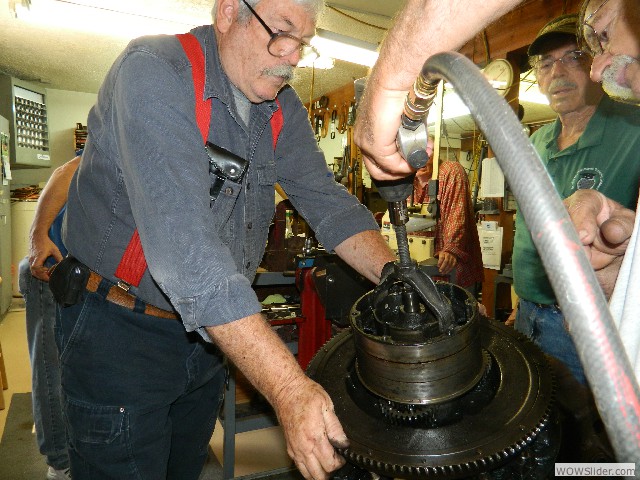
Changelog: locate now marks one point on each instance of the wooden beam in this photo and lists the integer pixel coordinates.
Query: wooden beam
(516, 29)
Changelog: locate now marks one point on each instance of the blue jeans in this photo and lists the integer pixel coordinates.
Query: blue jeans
(142, 394)
(545, 326)
(46, 393)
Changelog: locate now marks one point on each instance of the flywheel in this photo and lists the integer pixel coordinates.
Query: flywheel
(503, 426)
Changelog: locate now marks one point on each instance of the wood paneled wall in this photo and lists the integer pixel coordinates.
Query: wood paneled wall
(516, 29)
(338, 101)
(338, 107)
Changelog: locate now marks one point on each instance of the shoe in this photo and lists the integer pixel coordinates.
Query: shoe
(53, 474)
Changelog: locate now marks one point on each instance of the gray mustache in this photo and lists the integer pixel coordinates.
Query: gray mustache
(284, 71)
(611, 78)
(560, 83)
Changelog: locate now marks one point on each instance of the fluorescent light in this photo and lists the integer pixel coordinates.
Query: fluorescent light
(97, 19)
(531, 93)
(345, 48)
(454, 106)
(323, 62)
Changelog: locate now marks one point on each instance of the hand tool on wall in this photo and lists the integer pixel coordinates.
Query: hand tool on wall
(334, 114)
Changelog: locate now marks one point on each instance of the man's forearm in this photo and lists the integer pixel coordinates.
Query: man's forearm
(366, 252)
(422, 29)
(254, 348)
(425, 27)
(53, 197)
(304, 409)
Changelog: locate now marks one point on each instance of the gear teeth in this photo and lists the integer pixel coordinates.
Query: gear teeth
(465, 463)
(449, 471)
(400, 414)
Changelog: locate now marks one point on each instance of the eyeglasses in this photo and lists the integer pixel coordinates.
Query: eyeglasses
(570, 60)
(592, 39)
(282, 44)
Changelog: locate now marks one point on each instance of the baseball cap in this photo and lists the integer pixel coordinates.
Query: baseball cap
(562, 25)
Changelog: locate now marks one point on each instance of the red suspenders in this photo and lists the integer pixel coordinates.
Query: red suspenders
(133, 264)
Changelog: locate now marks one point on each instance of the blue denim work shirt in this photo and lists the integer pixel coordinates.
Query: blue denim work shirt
(145, 166)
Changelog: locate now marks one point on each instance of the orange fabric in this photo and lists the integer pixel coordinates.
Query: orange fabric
(456, 230)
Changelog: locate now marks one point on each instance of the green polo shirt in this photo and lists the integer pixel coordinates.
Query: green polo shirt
(605, 158)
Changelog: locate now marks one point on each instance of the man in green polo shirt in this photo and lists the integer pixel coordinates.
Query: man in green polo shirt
(593, 144)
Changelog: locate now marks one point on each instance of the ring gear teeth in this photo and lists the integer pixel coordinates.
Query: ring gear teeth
(515, 436)
(405, 414)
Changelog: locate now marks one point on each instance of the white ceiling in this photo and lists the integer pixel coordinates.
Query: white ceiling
(77, 58)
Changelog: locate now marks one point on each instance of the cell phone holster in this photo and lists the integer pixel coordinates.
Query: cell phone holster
(67, 281)
(223, 165)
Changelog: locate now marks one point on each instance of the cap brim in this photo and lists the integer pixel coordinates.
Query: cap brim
(538, 43)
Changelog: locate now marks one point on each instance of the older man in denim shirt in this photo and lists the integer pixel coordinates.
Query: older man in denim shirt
(143, 391)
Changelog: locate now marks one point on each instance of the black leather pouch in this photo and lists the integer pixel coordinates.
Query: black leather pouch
(223, 165)
(67, 281)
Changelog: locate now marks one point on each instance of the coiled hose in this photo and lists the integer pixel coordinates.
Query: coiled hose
(583, 304)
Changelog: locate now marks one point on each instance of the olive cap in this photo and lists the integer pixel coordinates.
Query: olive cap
(562, 25)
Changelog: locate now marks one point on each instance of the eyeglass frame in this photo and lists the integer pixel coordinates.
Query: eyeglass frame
(275, 35)
(599, 50)
(579, 54)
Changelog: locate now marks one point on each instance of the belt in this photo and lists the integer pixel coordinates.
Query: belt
(124, 299)
(545, 305)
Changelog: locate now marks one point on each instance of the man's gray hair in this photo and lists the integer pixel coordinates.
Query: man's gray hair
(314, 7)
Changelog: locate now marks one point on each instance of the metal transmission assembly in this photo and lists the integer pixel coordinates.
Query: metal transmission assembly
(417, 401)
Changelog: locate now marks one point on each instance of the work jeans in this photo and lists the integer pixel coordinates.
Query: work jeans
(546, 327)
(46, 395)
(142, 394)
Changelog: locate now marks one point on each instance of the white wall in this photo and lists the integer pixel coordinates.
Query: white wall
(67, 109)
(64, 109)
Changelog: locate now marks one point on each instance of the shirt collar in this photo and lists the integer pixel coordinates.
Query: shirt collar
(594, 133)
(217, 83)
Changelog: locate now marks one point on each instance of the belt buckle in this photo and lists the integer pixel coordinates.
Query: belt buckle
(123, 285)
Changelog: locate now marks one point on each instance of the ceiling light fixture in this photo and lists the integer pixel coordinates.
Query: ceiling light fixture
(532, 94)
(323, 62)
(454, 107)
(92, 18)
(342, 47)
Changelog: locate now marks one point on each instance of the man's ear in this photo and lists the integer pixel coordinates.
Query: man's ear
(226, 14)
